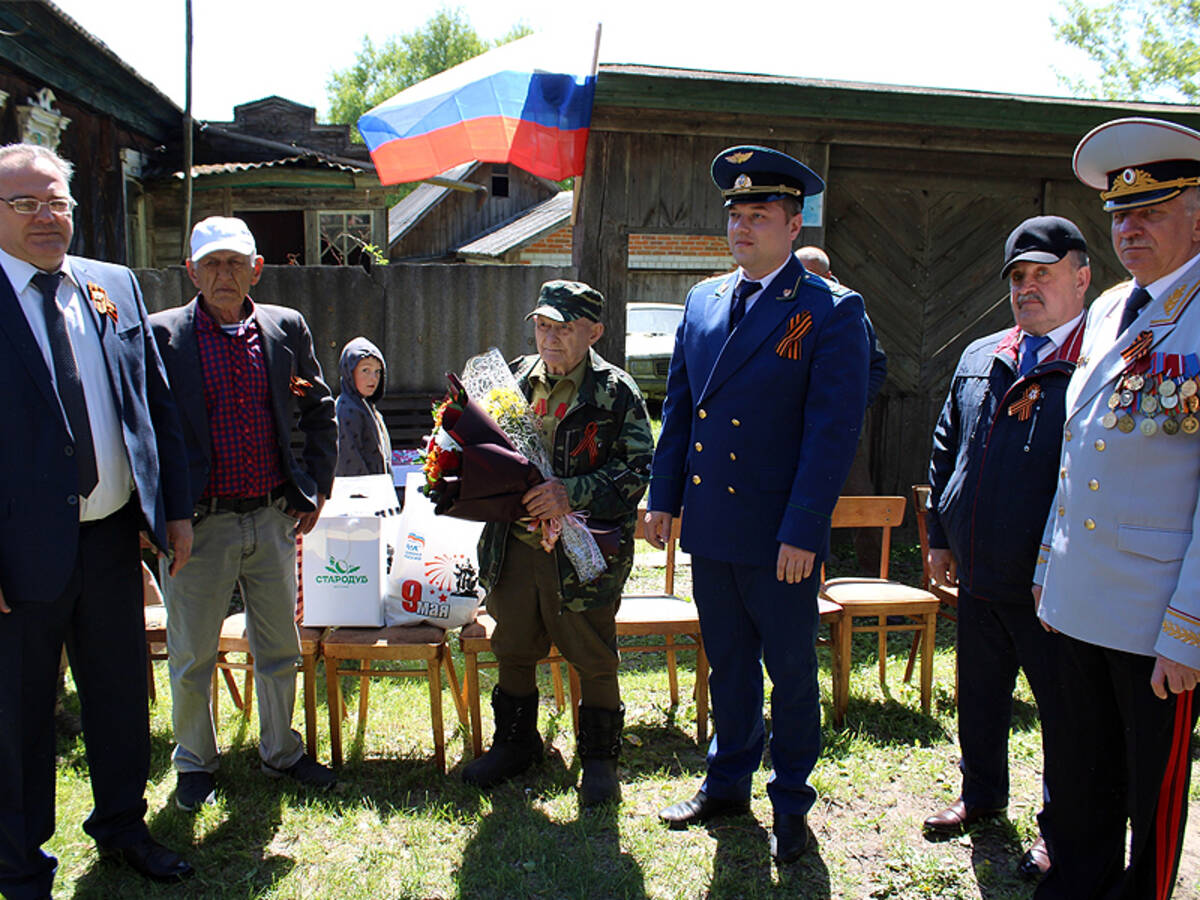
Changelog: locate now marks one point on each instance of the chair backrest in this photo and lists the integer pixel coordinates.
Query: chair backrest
(871, 512)
(920, 494)
(640, 535)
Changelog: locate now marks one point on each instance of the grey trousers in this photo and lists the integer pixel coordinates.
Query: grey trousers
(259, 550)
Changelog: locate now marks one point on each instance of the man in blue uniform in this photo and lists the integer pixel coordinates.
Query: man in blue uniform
(1119, 571)
(765, 397)
(993, 473)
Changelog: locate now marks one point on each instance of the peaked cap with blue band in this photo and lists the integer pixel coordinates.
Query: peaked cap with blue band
(1138, 162)
(750, 174)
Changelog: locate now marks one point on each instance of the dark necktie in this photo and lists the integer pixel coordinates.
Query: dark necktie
(66, 376)
(743, 290)
(1031, 346)
(1137, 298)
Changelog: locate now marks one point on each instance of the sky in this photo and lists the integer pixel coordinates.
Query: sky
(247, 49)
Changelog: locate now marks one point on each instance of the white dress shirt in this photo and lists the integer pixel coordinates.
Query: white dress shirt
(115, 482)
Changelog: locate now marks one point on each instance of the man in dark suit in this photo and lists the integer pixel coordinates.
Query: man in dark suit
(90, 421)
(765, 397)
(243, 373)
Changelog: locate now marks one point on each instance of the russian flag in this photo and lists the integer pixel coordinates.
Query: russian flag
(528, 103)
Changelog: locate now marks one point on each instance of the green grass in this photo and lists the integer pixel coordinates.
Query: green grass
(397, 828)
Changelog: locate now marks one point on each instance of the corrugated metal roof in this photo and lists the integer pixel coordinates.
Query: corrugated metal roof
(288, 161)
(405, 214)
(527, 227)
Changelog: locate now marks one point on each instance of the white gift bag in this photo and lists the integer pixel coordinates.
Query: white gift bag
(435, 572)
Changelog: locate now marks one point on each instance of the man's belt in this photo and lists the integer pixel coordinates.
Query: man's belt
(238, 505)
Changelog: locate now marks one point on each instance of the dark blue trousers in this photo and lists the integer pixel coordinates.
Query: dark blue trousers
(1115, 754)
(99, 618)
(995, 640)
(748, 619)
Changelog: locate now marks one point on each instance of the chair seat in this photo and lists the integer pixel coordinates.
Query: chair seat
(878, 596)
(829, 610)
(656, 614)
(155, 616)
(398, 641)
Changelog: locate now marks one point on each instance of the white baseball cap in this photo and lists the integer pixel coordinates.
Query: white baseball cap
(221, 233)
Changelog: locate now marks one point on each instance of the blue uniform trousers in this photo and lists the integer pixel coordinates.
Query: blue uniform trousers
(994, 641)
(1115, 753)
(749, 618)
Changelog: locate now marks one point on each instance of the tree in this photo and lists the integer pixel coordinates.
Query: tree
(1145, 49)
(443, 42)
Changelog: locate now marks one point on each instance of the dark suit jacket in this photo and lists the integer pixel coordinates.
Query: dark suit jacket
(760, 426)
(288, 349)
(39, 514)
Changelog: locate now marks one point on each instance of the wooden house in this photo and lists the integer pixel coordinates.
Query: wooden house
(923, 187)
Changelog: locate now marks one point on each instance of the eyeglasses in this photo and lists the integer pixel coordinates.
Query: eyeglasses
(28, 206)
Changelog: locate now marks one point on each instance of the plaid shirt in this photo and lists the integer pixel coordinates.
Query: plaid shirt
(245, 452)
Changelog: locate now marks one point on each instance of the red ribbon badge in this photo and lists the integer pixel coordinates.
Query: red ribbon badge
(100, 300)
(1023, 408)
(588, 443)
(798, 326)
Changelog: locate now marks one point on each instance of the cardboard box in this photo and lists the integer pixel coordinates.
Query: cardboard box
(345, 557)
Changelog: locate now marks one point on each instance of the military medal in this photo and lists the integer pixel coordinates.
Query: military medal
(1139, 347)
(1188, 388)
(1023, 408)
(1170, 401)
(1126, 399)
(1125, 423)
(1170, 425)
(1109, 420)
(1149, 405)
(1114, 401)
(1189, 424)
(1148, 427)
(1134, 382)
(1167, 388)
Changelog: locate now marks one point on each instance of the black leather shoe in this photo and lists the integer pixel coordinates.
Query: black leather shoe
(789, 837)
(701, 808)
(152, 859)
(1036, 861)
(957, 817)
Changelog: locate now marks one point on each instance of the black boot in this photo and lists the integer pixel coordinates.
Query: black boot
(516, 745)
(600, 747)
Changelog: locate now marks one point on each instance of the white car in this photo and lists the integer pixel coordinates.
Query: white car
(649, 340)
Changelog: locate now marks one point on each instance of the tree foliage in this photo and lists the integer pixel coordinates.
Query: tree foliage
(381, 70)
(1144, 49)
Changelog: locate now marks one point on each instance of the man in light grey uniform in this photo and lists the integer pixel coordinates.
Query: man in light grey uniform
(1119, 572)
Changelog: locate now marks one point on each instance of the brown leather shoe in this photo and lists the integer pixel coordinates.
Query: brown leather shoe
(1036, 861)
(957, 817)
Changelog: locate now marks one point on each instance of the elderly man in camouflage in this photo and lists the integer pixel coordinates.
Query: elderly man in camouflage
(595, 425)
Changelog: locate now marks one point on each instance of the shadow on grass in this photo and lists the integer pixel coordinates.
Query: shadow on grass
(743, 868)
(518, 851)
(885, 723)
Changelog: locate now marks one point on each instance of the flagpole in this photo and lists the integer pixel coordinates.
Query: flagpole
(578, 187)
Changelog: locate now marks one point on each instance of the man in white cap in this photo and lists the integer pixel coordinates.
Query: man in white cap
(1118, 573)
(242, 373)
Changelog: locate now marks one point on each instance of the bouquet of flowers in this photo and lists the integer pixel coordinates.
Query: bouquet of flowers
(486, 452)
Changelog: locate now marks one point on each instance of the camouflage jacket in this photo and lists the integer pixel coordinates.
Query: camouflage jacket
(606, 484)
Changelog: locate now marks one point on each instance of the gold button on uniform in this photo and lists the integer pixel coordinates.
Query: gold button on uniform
(736, 423)
(1066, 434)
(733, 457)
(1089, 524)
(1100, 445)
(695, 479)
(1062, 473)
(1062, 510)
(1094, 485)
(699, 446)
(702, 414)
(731, 490)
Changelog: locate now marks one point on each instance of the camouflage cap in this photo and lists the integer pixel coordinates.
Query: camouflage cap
(566, 301)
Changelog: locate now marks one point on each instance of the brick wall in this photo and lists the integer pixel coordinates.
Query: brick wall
(646, 251)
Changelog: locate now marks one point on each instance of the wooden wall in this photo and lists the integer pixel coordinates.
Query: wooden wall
(459, 217)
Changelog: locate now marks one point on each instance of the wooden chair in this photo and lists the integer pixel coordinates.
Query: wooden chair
(878, 598)
(424, 645)
(832, 614)
(947, 595)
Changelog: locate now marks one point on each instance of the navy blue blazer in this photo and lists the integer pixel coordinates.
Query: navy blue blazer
(39, 511)
(291, 363)
(760, 426)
